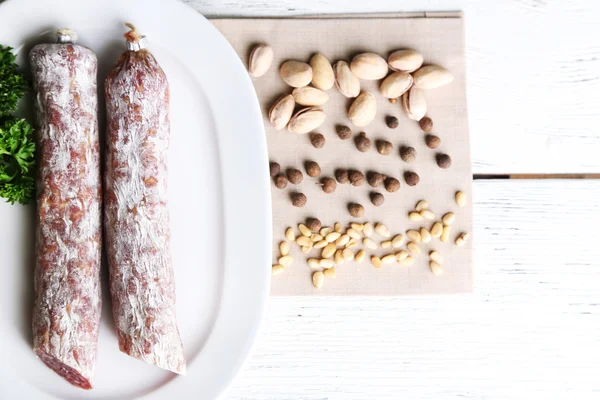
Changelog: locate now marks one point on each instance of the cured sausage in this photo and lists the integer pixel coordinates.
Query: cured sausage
(136, 214)
(66, 313)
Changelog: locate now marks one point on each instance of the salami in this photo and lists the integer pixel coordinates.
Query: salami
(66, 314)
(136, 214)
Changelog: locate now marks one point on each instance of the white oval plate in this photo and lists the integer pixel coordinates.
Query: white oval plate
(219, 202)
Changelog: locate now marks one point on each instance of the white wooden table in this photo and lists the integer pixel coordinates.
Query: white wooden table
(531, 328)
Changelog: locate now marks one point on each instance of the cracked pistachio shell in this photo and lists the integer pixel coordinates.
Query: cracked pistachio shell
(306, 120)
(296, 73)
(369, 66)
(345, 80)
(260, 60)
(406, 60)
(281, 112)
(396, 84)
(310, 96)
(432, 77)
(323, 77)
(414, 104)
(363, 109)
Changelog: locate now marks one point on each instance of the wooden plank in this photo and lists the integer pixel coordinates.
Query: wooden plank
(529, 330)
(534, 75)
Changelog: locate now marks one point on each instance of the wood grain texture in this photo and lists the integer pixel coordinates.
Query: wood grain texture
(529, 330)
(533, 67)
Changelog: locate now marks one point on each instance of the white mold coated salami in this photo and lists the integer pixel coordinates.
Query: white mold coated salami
(67, 303)
(136, 215)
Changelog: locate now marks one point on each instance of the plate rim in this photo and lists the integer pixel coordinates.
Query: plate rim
(239, 90)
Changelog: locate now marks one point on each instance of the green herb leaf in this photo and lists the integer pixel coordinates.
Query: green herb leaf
(12, 83)
(17, 161)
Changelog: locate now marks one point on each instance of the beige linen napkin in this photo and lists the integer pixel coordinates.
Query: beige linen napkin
(440, 38)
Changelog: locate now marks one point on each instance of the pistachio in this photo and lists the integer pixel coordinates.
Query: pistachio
(406, 60)
(369, 66)
(318, 278)
(310, 96)
(363, 109)
(395, 84)
(260, 60)
(306, 120)
(414, 104)
(347, 83)
(431, 77)
(461, 199)
(296, 73)
(281, 112)
(323, 77)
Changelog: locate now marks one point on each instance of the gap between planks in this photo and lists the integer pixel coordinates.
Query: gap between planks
(535, 176)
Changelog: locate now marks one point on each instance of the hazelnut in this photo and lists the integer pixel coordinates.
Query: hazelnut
(313, 224)
(426, 124)
(408, 154)
(317, 140)
(294, 175)
(432, 141)
(356, 178)
(328, 185)
(376, 198)
(384, 147)
(312, 169)
(363, 143)
(356, 210)
(443, 160)
(375, 178)
(274, 169)
(391, 184)
(411, 178)
(391, 122)
(343, 132)
(341, 175)
(280, 181)
(298, 199)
